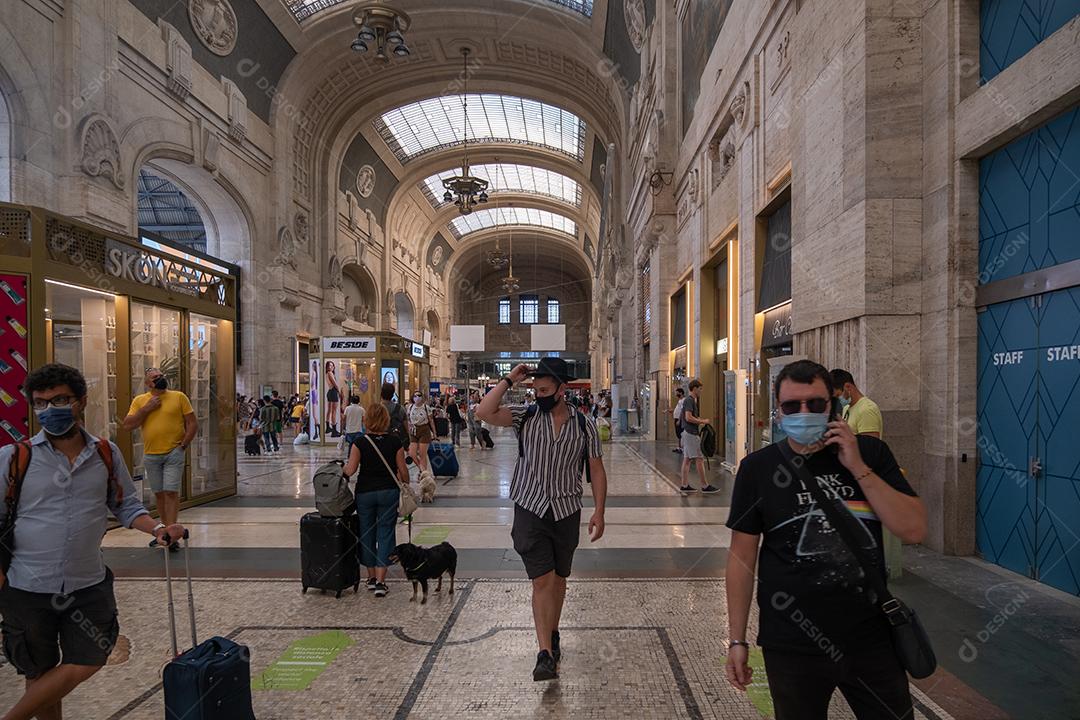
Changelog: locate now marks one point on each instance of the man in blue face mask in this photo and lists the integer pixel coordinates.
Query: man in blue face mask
(56, 595)
(818, 628)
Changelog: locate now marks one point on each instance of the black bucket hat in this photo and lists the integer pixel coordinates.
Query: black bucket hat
(552, 367)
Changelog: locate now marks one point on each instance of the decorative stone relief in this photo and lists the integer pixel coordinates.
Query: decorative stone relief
(782, 50)
(100, 149)
(351, 200)
(214, 22)
(211, 150)
(738, 103)
(177, 61)
(722, 155)
(437, 256)
(301, 228)
(363, 314)
(333, 277)
(692, 184)
(634, 13)
(238, 109)
(286, 248)
(365, 181)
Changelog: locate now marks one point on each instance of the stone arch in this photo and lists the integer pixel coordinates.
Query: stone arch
(26, 145)
(6, 130)
(434, 325)
(404, 315)
(361, 294)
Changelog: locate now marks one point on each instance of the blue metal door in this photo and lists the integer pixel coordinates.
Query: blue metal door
(1057, 557)
(1006, 531)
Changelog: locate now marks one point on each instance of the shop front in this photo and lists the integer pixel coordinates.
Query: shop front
(113, 306)
(341, 367)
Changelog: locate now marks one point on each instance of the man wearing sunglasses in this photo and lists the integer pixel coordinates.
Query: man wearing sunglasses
(818, 629)
(56, 595)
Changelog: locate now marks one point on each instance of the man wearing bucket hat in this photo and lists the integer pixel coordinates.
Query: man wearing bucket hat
(556, 444)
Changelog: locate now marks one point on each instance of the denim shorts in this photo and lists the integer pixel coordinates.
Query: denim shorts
(165, 472)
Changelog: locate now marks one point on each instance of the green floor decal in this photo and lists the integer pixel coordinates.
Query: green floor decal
(302, 662)
(758, 692)
(431, 535)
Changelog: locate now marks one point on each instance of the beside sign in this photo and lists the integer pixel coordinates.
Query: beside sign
(348, 344)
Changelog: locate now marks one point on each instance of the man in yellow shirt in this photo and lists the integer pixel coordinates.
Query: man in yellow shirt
(168, 426)
(860, 412)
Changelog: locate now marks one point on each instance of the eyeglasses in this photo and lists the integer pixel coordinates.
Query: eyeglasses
(814, 405)
(59, 401)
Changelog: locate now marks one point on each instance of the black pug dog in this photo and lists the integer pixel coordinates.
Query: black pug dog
(422, 564)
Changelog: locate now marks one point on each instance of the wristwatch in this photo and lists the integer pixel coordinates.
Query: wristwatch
(159, 526)
(743, 643)
(508, 381)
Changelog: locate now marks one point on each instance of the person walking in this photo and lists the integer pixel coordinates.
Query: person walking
(375, 457)
(558, 443)
(399, 418)
(270, 420)
(472, 422)
(680, 397)
(56, 594)
(860, 412)
(456, 421)
(691, 440)
(819, 628)
(421, 430)
(168, 426)
(354, 420)
(296, 417)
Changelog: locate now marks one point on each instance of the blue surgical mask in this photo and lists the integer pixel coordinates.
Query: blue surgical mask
(805, 428)
(56, 420)
(844, 401)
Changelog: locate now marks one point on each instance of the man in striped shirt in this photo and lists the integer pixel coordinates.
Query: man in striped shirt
(556, 442)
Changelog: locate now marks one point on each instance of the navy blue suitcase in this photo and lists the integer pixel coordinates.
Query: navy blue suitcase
(443, 460)
(211, 680)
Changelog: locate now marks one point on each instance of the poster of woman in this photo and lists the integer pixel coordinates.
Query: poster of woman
(314, 416)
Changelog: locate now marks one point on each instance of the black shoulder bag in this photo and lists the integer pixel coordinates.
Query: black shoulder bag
(910, 641)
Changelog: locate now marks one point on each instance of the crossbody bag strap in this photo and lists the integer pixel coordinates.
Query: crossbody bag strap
(841, 521)
(585, 453)
(17, 467)
(397, 480)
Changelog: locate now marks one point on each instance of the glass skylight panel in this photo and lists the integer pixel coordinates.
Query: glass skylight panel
(503, 177)
(436, 123)
(303, 9)
(491, 217)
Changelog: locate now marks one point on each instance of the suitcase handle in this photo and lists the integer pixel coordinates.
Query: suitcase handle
(169, 594)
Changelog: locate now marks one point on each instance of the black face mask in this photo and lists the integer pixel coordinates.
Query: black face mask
(547, 404)
(161, 383)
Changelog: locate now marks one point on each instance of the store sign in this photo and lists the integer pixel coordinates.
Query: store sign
(777, 326)
(348, 344)
(417, 350)
(722, 346)
(146, 268)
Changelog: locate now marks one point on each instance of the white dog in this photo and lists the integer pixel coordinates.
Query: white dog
(427, 487)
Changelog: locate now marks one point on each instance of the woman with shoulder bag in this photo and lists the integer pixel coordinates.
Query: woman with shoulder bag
(378, 459)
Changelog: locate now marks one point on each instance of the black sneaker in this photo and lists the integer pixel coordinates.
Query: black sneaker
(545, 667)
(381, 589)
(686, 489)
(710, 489)
(371, 583)
(556, 651)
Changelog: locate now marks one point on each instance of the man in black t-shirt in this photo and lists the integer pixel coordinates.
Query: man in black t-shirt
(818, 629)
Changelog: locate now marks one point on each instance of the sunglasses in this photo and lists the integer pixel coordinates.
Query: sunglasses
(814, 405)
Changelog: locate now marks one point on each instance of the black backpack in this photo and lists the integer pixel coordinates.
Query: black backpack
(708, 440)
(398, 425)
(530, 412)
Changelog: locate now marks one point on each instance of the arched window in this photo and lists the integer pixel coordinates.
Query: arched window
(553, 316)
(504, 311)
(530, 309)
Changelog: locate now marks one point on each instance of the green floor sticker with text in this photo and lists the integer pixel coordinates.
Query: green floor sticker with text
(431, 535)
(302, 662)
(758, 691)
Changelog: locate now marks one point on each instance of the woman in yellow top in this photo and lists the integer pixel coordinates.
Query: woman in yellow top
(295, 415)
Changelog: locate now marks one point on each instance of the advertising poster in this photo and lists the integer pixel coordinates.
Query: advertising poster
(14, 351)
(390, 375)
(314, 405)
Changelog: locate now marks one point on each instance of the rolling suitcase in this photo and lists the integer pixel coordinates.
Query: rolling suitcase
(442, 426)
(251, 445)
(328, 548)
(443, 460)
(212, 679)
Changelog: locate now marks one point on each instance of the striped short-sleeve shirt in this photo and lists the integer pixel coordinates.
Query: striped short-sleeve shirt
(549, 473)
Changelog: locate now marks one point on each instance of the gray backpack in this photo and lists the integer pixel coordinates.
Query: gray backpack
(332, 495)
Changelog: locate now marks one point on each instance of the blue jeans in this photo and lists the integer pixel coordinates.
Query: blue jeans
(350, 438)
(377, 512)
(267, 437)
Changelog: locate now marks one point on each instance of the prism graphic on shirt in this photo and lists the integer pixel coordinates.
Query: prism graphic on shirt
(818, 536)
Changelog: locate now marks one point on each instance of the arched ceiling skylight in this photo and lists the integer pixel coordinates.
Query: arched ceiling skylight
(505, 177)
(491, 217)
(303, 9)
(421, 127)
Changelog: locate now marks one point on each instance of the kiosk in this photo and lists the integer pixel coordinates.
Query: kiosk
(113, 306)
(339, 367)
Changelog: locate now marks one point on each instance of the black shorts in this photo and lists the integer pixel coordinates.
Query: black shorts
(545, 544)
(38, 627)
(678, 430)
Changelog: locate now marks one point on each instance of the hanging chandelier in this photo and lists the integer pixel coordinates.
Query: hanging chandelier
(510, 283)
(464, 190)
(382, 27)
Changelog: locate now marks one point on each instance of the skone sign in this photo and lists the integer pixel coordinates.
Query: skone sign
(139, 266)
(348, 344)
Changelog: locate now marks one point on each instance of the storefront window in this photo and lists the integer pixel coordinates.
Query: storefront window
(81, 327)
(212, 453)
(155, 342)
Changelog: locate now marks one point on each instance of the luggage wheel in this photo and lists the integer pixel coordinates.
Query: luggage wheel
(338, 595)
(304, 591)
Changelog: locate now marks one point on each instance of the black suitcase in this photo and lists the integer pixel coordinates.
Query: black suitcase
(251, 445)
(328, 549)
(442, 426)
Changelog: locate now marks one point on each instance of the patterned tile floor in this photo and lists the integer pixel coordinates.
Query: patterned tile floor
(643, 628)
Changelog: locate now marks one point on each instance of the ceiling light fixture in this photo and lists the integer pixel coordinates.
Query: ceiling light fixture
(382, 27)
(464, 190)
(510, 283)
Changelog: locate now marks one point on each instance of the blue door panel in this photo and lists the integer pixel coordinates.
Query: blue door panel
(1005, 522)
(1058, 556)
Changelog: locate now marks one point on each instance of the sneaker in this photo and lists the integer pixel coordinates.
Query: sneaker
(556, 651)
(381, 589)
(687, 489)
(545, 667)
(371, 583)
(710, 489)
(679, 450)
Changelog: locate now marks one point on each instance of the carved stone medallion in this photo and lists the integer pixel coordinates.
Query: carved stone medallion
(215, 24)
(365, 181)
